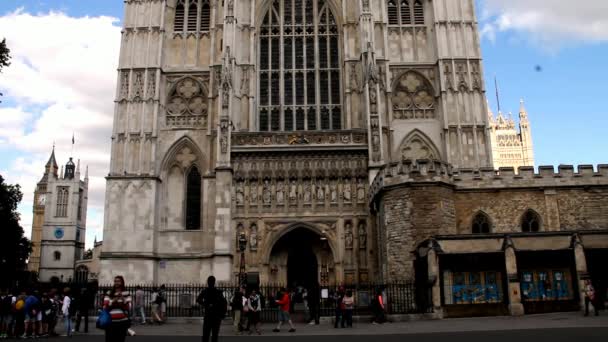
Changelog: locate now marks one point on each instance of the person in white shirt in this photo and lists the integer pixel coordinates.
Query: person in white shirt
(65, 310)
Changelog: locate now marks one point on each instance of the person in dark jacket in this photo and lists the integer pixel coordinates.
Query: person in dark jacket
(215, 306)
(85, 303)
(313, 304)
(237, 310)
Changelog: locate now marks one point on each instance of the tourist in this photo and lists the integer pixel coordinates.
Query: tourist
(6, 314)
(215, 306)
(156, 307)
(590, 298)
(378, 308)
(349, 307)
(237, 310)
(66, 308)
(284, 305)
(339, 307)
(46, 310)
(55, 302)
(313, 304)
(118, 303)
(85, 303)
(254, 305)
(162, 303)
(140, 304)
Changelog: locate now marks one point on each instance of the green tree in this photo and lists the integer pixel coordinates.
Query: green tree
(15, 248)
(5, 56)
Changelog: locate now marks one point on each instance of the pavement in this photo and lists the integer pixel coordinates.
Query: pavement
(531, 324)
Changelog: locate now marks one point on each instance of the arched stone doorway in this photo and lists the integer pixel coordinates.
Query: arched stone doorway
(302, 257)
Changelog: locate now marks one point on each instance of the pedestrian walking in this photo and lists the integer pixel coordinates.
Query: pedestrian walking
(378, 308)
(215, 306)
(284, 303)
(349, 307)
(339, 307)
(6, 313)
(254, 304)
(162, 303)
(313, 304)
(237, 309)
(56, 304)
(140, 305)
(118, 303)
(590, 298)
(156, 307)
(66, 308)
(47, 314)
(85, 303)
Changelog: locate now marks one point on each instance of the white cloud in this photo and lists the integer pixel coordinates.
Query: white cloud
(62, 80)
(551, 22)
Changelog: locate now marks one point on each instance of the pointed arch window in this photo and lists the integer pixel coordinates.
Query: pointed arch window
(300, 79)
(57, 255)
(405, 12)
(188, 13)
(193, 199)
(481, 224)
(63, 195)
(530, 222)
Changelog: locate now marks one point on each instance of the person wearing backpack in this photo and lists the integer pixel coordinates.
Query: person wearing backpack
(213, 302)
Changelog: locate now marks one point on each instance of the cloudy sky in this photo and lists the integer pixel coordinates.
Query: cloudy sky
(550, 52)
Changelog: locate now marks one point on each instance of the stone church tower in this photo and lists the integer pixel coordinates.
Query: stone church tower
(257, 126)
(60, 219)
(510, 147)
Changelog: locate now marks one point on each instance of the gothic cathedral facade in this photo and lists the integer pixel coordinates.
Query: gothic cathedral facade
(329, 141)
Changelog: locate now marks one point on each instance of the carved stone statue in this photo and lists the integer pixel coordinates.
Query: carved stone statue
(253, 237)
(293, 191)
(348, 236)
(346, 191)
(280, 193)
(321, 192)
(362, 236)
(307, 192)
(266, 195)
(333, 189)
(253, 193)
(360, 190)
(240, 193)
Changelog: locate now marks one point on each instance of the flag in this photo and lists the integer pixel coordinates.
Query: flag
(72, 138)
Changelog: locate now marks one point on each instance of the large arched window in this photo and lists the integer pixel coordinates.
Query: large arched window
(481, 224)
(299, 83)
(400, 12)
(193, 199)
(63, 195)
(188, 20)
(530, 222)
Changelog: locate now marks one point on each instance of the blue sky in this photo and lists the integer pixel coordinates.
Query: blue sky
(565, 99)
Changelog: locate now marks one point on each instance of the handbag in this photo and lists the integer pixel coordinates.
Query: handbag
(103, 320)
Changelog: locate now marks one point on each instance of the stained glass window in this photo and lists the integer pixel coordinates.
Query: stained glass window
(481, 224)
(193, 200)
(299, 56)
(530, 222)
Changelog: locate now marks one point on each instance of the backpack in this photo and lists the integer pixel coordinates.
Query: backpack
(159, 299)
(73, 307)
(19, 305)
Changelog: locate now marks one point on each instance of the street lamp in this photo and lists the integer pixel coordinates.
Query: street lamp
(242, 247)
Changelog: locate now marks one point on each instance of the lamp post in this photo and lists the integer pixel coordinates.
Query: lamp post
(242, 247)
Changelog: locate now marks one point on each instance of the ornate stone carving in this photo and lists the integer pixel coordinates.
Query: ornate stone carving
(417, 146)
(151, 87)
(185, 157)
(280, 192)
(138, 85)
(124, 85)
(360, 190)
(307, 192)
(347, 191)
(413, 97)
(266, 193)
(348, 235)
(187, 104)
(461, 71)
(245, 139)
(245, 81)
(320, 195)
(226, 84)
(253, 237)
(447, 71)
(354, 78)
(333, 190)
(253, 192)
(362, 235)
(293, 192)
(240, 193)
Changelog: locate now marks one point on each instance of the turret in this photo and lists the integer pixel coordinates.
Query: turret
(526, 135)
(70, 169)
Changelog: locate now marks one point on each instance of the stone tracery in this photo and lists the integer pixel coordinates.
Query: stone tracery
(187, 104)
(413, 97)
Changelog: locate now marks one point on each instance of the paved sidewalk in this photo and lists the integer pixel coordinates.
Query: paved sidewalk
(548, 321)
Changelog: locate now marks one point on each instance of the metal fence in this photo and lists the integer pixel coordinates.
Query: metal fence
(400, 298)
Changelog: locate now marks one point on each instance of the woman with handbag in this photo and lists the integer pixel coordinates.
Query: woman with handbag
(118, 303)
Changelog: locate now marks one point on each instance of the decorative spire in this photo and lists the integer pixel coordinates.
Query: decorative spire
(52, 162)
(78, 166)
(86, 173)
(522, 109)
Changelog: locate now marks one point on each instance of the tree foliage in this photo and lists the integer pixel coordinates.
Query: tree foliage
(15, 248)
(5, 56)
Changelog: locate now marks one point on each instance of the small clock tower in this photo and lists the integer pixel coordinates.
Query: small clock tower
(60, 212)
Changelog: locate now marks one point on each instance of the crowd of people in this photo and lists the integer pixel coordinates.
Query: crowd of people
(35, 314)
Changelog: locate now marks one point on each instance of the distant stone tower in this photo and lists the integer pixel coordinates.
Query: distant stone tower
(60, 216)
(511, 148)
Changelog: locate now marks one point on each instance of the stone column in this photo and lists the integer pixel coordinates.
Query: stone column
(516, 308)
(580, 261)
(433, 273)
